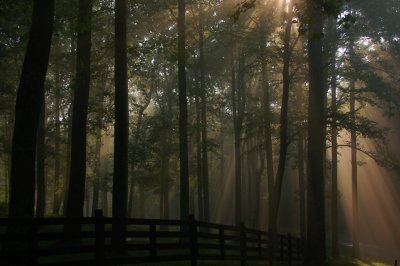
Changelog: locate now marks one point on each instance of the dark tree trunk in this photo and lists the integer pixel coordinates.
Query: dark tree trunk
(315, 253)
(334, 204)
(238, 170)
(354, 186)
(27, 111)
(204, 141)
(183, 139)
(40, 165)
(267, 126)
(120, 177)
(199, 162)
(302, 187)
(283, 138)
(76, 184)
(97, 167)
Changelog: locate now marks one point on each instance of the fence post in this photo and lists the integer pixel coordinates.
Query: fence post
(281, 246)
(33, 243)
(99, 237)
(243, 244)
(194, 248)
(259, 245)
(153, 249)
(221, 241)
(289, 236)
(395, 263)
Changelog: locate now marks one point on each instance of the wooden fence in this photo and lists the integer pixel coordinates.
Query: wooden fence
(44, 241)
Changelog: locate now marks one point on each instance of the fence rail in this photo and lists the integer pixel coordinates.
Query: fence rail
(46, 241)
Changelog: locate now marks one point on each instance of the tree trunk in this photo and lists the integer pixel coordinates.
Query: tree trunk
(315, 253)
(354, 186)
(204, 141)
(183, 139)
(76, 186)
(27, 111)
(302, 187)
(40, 165)
(267, 126)
(120, 177)
(283, 138)
(333, 83)
(200, 199)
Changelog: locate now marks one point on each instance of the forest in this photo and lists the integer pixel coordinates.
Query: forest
(282, 115)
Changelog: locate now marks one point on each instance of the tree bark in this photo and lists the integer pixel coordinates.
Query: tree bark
(334, 190)
(76, 185)
(283, 138)
(204, 141)
(354, 185)
(183, 139)
(315, 252)
(120, 177)
(27, 110)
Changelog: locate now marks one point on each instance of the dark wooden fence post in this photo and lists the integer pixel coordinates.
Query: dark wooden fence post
(194, 248)
(259, 244)
(221, 241)
(395, 263)
(153, 242)
(33, 243)
(289, 247)
(243, 244)
(99, 237)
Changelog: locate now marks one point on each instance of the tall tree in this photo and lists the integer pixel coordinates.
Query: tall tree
(183, 139)
(29, 102)
(203, 98)
(315, 251)
(120, 178)
(283, 132)
(76, 187)
(333, 85)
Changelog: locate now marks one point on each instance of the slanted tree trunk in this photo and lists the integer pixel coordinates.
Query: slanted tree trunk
(283, 138)
(183, 139)
(40, 165)
(120, 177)
(27, 111)
(76, 184)
(315, 251)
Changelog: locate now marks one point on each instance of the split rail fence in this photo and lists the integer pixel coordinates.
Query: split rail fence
(43, 241)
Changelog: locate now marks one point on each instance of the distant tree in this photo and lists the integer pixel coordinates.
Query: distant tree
(29, 102)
